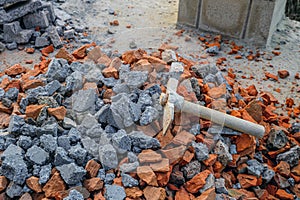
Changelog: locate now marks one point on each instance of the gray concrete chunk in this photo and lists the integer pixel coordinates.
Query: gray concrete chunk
(20, 11)
(85, 100)
(121, 111)
(71, 173)
(114, 192)
(37, 155)
(54, 37)
(38, 19)
(41, 42)
(15, 169)
(108, 156)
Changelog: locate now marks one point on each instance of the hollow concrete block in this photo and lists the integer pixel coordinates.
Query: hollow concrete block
(224, 16)
(188, 12)
(264, 16)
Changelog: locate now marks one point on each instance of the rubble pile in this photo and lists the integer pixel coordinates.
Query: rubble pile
(88, 125)
(36, 22)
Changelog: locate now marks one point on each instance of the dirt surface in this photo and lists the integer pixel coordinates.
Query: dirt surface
(147, 25)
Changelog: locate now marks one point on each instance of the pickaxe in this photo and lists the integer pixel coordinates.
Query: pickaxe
(171, 101)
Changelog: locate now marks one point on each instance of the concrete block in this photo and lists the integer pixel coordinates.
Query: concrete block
(250, 20)
(14, 33)
(224, 16)
(6, 3)
(19, 11)
(264, 16)
(10, 30)
(38, 19)
(188, 12)
(54, 37)
(47, 6)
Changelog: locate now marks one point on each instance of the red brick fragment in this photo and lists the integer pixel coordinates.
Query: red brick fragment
(283, 73)
(3, 183)
(30, 50)
(33, 111)
(271, 76)
(93, 184)
(197, 182)
(15, 70)
(283, 195)
(33, 183)
(29, 84)
(59, 113)
(49, 49)
(146, 174)
(54, 185)
(247, 180)
(92, 167)
(63, 53)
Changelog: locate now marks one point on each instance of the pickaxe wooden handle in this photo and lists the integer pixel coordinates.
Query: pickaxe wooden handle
(173, 102)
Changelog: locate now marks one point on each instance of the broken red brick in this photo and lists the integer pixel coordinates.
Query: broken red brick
(5, 109)
(110, 72)
(197, 182)
(238, 57)
(182, 194)
(183, 138)
(132, 56)
(114, 23)
(283, 195)
(283, 73)
(63, 53)
(161, 166)
(54, 185)
(289, 102)
(15, 70)
(4, 119)
(15, 83)
(92, 167)
(163, 177)
(59, 113)
(3, 183)
(93, 184)
(175, 154)
(146, 174)
(271, 76)
(142, 65)
(33, 183)
(247, 180)
(217, 92)
(276, 53)
(80, 53)
(134, 192)
(49, 49)
(283, 168)
(147, 156)
(211, 160)
(29, 84)
(33, 111)
(30, 50)
(207, 194)
(95, 54)
(244, 142)
(104, 60)
(116, 63)
(154, 193)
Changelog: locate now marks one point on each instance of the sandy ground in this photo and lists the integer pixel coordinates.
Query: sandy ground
(153, 23)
